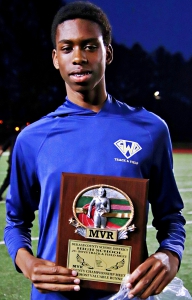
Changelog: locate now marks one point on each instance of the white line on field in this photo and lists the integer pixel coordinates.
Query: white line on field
(33, 239)
(185, 190)
(5, 154)
(183, 175)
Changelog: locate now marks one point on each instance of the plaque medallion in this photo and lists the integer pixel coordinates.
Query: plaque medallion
(103, 212)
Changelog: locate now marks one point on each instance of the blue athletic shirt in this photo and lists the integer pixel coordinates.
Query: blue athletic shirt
(119, 140)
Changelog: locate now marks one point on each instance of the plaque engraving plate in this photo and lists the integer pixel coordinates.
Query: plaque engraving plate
(99, 261)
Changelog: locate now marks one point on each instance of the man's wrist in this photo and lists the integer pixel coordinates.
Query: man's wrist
(171, 254)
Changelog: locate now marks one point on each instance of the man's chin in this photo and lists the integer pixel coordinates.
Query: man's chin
(81, 88)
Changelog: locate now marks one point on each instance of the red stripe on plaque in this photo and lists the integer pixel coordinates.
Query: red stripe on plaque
(120, 207)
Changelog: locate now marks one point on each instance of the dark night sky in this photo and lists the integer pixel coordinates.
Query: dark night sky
(151, 23)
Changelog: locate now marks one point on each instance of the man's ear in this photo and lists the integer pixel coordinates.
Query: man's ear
(109, 54)
(55, 60)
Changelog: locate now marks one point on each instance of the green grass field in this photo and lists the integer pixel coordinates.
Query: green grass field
(13, 286)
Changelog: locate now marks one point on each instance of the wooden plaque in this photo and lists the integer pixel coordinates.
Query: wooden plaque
(93, 243)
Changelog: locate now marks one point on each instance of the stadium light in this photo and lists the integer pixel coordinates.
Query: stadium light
(157, 95)
(17, 128)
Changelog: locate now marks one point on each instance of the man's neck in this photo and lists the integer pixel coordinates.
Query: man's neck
(89, 100)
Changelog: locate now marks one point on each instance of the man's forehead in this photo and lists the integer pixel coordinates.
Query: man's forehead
(79, 26)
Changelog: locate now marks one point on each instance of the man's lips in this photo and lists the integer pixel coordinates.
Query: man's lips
(79, 74)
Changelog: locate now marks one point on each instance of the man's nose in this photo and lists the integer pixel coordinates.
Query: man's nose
(79, 56)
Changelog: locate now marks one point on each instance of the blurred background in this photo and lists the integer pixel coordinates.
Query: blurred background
(152, 63)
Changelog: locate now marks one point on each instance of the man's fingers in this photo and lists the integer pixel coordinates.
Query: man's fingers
(154, 287)
(47, 287)
(149, 278)
(51, 268)
(151, 284)
(56, 282)
(53, 274)
(141, 288)
(54, 278)
(139, 273)
(47, 262)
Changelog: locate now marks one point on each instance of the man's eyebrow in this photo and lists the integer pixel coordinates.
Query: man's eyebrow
(66, 41)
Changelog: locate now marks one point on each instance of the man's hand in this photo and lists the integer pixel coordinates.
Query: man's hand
(152, 276)
(45, 275)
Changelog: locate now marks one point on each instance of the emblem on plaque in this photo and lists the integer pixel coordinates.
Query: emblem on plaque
(103, 212)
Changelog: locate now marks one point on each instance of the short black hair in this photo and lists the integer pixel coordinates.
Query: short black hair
(82, 10)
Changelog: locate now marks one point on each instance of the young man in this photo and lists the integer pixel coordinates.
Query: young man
(81, 137)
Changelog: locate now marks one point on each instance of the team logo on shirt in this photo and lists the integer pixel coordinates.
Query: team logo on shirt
(127, 148)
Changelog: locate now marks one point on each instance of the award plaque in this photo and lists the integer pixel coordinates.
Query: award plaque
(102, 227)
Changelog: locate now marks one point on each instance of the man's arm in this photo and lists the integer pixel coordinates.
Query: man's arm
(159, 269)
(22, 202)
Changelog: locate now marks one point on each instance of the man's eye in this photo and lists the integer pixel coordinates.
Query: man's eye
(66, 49)
(90, 47)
